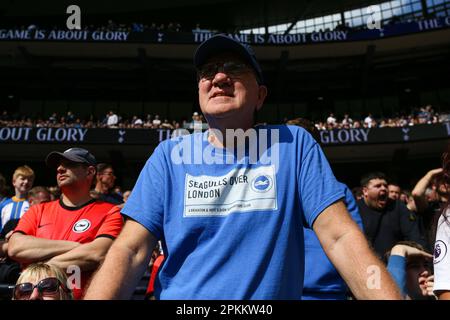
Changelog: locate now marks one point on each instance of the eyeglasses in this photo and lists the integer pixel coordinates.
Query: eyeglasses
(46, 287)
(231, 68)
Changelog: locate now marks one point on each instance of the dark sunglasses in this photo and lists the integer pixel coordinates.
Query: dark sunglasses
(232, 69)
(46, 287)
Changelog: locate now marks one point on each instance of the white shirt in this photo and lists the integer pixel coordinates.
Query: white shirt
(112, 120)
(331, 120)
(442, 254)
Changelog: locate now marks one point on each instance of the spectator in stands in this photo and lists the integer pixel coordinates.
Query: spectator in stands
(410, 266)
(167, 125)
(126, 194)
(105, 180)
(5, 116)
(41, 281)
(118, 190)
(15, 207)
(70, 117)
(322, 281)
(112, 119)
(38, 195)
(394, 191)
(386, 222)
(156, 122)
(407, 198)
(9, 269)
(196, 123)
(368, 121)
(442, 243)
(231, 90)
(331, 120)
(347, 122)
(357, 193)
(53, 119)
(155, 263)
(74, 230)
(431, 196)
(55, 192)
(137, 122)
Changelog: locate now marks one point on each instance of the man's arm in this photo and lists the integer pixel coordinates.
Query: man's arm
(418, 192)
(87, 256)
(443, 295)
(27, 249)
(348, 249)
(124, 264)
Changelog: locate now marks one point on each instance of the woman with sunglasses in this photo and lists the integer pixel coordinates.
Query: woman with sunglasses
(40, 281)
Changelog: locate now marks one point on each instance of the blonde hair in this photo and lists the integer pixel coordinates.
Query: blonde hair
(40, 270)
(24, 171)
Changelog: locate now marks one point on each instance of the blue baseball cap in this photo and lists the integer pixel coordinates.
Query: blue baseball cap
(221, 43)
(78, 155)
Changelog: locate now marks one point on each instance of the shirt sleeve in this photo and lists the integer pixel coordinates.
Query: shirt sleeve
(146, 202)
(397, 268)
(318, 188)
(29, 222)
(112, 224)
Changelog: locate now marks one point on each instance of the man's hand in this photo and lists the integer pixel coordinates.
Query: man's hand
(8, 235)
(407, 251)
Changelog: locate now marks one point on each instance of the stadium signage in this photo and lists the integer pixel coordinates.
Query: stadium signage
(152, 137)
(344, 136)
(42, 134)
(61, 134)
(197, 36)
(64, 35)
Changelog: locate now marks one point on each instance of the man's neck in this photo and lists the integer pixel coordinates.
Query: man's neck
(217, 134)
(75, 199)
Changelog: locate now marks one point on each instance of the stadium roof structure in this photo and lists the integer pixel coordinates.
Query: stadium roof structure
(221, 14)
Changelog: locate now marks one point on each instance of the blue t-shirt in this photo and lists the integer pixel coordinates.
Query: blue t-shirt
(322, 281)
(12, 208)
(233, 230)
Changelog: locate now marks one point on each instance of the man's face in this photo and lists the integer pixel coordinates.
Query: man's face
(394, 192)
(376, 193)
(107, 177)
(39, 198)
(417, 271)
(23, 184)
(72, 174)
(229, 91)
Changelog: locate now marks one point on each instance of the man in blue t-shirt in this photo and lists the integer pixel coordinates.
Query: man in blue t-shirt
(229, 204)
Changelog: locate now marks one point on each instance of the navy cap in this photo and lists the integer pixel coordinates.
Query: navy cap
(78, 155)
(221, 43)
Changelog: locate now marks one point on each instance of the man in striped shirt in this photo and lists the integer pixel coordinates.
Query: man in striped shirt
(15, 207)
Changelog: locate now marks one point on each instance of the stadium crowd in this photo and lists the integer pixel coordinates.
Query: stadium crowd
(406, 225)
(425, 115)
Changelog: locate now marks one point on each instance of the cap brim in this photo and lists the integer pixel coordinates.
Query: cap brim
(220, 44)
(54, 159)
(216, 45)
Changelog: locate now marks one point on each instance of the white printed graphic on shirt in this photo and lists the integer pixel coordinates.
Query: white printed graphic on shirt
(240, 190)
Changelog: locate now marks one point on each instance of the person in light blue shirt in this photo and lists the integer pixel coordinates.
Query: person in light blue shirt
(229, 204)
